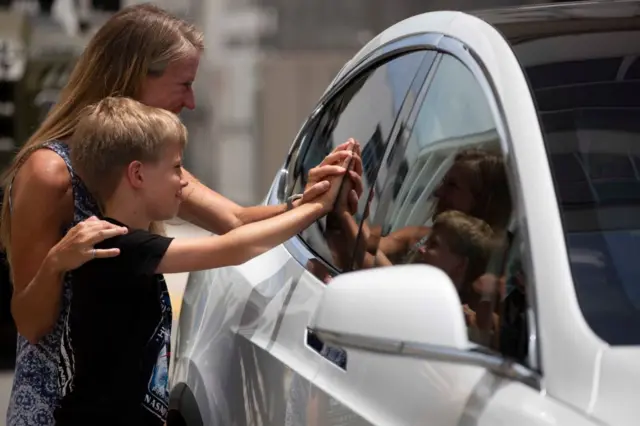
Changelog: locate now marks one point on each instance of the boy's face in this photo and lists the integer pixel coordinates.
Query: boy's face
(163, 184)
(436, 252)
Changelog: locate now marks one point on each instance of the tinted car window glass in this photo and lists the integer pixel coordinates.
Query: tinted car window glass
(453, 115)
(365, 110)
(452, 206)
(591, 125)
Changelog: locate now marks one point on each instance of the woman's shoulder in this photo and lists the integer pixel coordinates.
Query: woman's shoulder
(44, 169)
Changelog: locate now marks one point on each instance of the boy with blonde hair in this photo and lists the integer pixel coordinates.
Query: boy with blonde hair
(461, 246)
(115, 349)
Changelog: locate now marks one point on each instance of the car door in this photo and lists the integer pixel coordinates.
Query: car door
(366, 106)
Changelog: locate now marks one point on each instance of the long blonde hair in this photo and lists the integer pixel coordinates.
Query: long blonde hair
(490, 186)
(136, 42)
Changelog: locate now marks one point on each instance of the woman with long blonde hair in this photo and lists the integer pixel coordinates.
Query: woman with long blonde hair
(48, 224)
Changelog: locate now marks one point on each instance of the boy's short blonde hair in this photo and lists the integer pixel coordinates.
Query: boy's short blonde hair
(467, 237)
(115, 132)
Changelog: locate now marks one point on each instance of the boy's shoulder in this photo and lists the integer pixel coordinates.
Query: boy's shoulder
(140, 250)
(132, 239)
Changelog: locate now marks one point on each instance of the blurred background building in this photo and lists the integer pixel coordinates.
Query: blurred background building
(266, 64)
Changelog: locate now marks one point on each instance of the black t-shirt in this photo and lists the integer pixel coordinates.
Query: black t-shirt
(115, 346)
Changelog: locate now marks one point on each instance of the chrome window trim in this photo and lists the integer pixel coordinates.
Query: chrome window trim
(470, 58)
(425, 41)
(475, 355)
(413, 43)
(475, 64)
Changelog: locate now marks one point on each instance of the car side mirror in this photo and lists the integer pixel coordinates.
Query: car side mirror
(409, 303)
(408, 310)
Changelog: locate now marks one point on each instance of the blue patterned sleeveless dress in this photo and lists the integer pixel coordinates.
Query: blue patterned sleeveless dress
(35, 392)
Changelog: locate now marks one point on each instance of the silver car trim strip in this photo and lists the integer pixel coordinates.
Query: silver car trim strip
(479, 398)
(281, 314)
(475, 64)
(478, 357)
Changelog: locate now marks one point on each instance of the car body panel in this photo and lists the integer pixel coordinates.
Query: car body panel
(221, 308)
(615, 398)
(514, 404)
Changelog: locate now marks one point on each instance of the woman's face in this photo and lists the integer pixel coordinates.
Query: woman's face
(172, 90)
(454, 193)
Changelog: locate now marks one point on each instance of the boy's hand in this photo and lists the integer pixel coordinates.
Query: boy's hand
(469, 316)
(352, 187)
(328, 199)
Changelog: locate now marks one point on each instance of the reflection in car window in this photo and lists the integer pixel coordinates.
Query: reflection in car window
(366, 110)
(451, 208)
(591, 126)
(453, 116)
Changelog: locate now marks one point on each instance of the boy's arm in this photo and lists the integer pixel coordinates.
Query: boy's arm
(241, 244)
(213, 212)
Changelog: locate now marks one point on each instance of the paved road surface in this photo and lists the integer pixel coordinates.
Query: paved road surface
(175, 282)
(5, 388)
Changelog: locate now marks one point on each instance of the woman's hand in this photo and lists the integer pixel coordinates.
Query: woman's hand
(77, 246)
(333, 166)
(353, 188)
(332, 188)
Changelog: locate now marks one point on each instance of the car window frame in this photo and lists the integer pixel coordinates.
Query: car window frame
(448, 45)
(475, 64)
(376, 58)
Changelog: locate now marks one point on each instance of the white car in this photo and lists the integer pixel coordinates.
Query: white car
(310, 334)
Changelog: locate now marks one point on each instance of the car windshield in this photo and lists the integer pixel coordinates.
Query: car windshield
(587, 91)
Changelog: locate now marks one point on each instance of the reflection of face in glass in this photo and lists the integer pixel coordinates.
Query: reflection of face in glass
(455, 192)
(437, 252)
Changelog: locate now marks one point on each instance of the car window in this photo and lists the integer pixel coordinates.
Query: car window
(591, 126)
(365, 110)
(447, 204)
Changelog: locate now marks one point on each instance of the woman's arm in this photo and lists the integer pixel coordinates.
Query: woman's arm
(209, 210)
(399, 242)
(42, 203)
(241, 244)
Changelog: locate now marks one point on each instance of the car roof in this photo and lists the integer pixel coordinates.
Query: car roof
(521, 23)
(526, 22)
